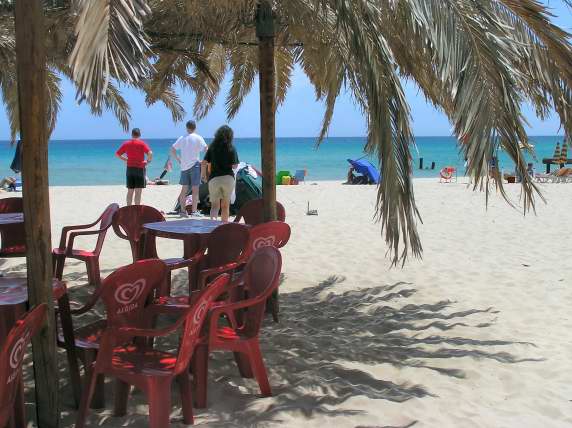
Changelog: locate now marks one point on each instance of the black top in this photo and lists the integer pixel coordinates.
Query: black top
(221, 160)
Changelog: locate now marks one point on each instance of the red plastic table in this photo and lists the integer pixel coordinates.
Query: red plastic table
(11, 218)
(13, 300)
(182, 230)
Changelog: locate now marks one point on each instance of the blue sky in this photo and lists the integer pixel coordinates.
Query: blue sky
(300, 115)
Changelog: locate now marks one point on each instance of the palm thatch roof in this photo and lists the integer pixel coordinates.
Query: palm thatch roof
(477, 61)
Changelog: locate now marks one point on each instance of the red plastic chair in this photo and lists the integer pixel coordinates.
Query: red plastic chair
(253, 212)
(128, 224)
(11, 357)
(151, 370)
(124, 293)
(12, 239)
(272, 234)
(91, 258)
(261, 277)
(447, 174)
(275, 234)
(225, 252)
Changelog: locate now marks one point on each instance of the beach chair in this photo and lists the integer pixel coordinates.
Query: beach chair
(13, 238)
(448, 174)
(300, 176)
(91, 258)
(128, 224)
(261, 278)
(253, 212)
(151, 370)
(11, 356)
(124, 293)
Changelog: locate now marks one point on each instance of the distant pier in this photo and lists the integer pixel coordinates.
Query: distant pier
(552, 161)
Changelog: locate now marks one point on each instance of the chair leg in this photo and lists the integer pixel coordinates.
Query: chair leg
(159, 395)
(98, 401)
(166, 287)
(259, 369)
(186, 397)
(91, 380)
(244, 365)
(200, 368)
(69, 344)
(93, 273)
(272, 306)
(122, 390)
(59, 262)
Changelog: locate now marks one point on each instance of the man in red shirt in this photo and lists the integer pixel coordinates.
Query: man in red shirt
(133, 153)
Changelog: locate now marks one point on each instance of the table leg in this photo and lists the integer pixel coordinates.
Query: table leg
(189, 249)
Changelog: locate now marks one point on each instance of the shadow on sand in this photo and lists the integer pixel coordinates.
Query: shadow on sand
(312, 356)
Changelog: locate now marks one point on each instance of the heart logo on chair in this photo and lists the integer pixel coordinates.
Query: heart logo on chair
(128, 293)
(198, 317)
(267, 241)
(17, 352)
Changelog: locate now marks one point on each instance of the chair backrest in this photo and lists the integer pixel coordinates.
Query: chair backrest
(11, 205)
(11, 357)
(261, 277)
(195, 319)
(128, 224)
(13, 239)
(300, 175)
(227, 243)
(126, 291)
(104, 224)
(253, 212)
(274, 234)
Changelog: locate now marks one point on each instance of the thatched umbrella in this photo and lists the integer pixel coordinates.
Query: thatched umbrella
(564, 154)
(556, 155)
(475, 60)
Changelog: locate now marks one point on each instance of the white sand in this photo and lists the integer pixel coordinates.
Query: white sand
(477, 334)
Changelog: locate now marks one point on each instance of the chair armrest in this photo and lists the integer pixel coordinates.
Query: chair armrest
(159, 332)
(206, 273)
(228, 309)
(89, 305)
(74, 235)
(67, 229)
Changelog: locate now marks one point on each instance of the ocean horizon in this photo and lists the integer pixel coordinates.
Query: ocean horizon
(93, 162)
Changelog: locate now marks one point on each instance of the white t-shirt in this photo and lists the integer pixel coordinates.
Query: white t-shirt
(190, 146)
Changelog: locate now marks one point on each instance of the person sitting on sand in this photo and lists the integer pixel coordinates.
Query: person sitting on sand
(133, 153)
(564, 172)
(351, 176)
(8, 184)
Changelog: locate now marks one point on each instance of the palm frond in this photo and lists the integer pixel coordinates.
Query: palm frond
(110, 42)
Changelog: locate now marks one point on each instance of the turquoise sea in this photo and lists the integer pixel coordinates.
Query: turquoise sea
(92, 162)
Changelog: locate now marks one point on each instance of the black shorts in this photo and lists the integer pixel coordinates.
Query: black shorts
(136, 178)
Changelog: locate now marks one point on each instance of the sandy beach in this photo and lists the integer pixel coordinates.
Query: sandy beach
(476, 334)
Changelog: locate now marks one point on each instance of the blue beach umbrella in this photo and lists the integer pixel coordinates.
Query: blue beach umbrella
(365, 168)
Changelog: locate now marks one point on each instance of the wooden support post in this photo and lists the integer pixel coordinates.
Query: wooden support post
(267, 79)
(32, 98)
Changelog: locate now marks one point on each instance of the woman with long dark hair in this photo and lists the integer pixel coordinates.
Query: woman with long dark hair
(221, 159)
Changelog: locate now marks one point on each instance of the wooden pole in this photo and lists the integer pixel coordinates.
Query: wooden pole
(31, 69)
(267, 80)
